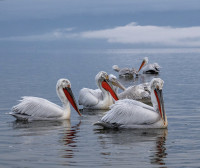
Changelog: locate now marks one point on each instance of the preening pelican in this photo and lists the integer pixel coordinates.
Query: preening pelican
(35, 108)
(133, 114)
(139, 92)
(100, 98)
(125, 72)
(149, 68)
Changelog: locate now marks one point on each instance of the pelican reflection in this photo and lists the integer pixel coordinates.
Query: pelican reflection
(69, 139)
(37, 127)
(138, 142)
(159, 151)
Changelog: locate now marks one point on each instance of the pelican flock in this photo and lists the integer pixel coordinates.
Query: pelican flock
(134, 114)
(146, 68)
(102, 97)
(126, 109)
(35, 108)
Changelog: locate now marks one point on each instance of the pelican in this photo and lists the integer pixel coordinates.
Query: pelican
(133, 114)
(100, 98)
(139, 92)
(125, 72)
(149, 68)
(35, 108)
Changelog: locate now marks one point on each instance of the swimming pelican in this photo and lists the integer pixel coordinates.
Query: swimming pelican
(133, 114)
(35, 108)
(100, 98)
(149, 68)
(125, 72)
(139, 92)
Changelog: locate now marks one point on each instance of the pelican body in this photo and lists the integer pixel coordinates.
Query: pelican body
(139, 92)
(133, 114)
(35, 108)
(100, 98)
(125, 72)
(149, 68)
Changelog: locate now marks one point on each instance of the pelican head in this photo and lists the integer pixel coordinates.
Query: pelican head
(157, 83)
(157, 97)
(115, 82)
(144, 62)
(116, 68)
(64, 92)
(103, 82)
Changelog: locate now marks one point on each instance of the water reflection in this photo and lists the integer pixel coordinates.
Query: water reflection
(134, 139)
(159, 151)
(37, 127)
(92, 116)
(69, 140)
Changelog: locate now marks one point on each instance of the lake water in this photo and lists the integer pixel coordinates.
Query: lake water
(42, 41)
(78, 143)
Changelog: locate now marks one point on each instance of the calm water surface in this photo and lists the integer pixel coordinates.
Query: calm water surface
(77, 142)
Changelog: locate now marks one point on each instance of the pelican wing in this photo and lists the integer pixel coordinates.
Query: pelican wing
(136, 92)
(151, 68)
(89, 97)
(125, 71)
(130, 112)
(38, 108)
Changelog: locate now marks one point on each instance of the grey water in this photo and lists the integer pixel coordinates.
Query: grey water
(43, 41)
(77, 142)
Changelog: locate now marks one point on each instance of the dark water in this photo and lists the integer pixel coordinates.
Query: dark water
(78, 143)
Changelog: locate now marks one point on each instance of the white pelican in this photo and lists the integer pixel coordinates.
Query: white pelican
(35, 108)
(125, 72)
(149, 68)
(133, 114)
(139, 92)
(100, 98)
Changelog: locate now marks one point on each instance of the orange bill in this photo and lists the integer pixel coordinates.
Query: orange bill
(70, 97)
(143, 62)
(159, 98)
(105, 84)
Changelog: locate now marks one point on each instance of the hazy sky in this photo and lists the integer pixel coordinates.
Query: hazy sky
(155, 22)
(29, 9)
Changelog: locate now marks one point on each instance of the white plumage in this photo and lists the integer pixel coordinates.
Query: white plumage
(123, 113)
(139, 92)
(125, 72)
(100, 98)
(35, 108)
(89, 97)
(133, 114)
(149, 68)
